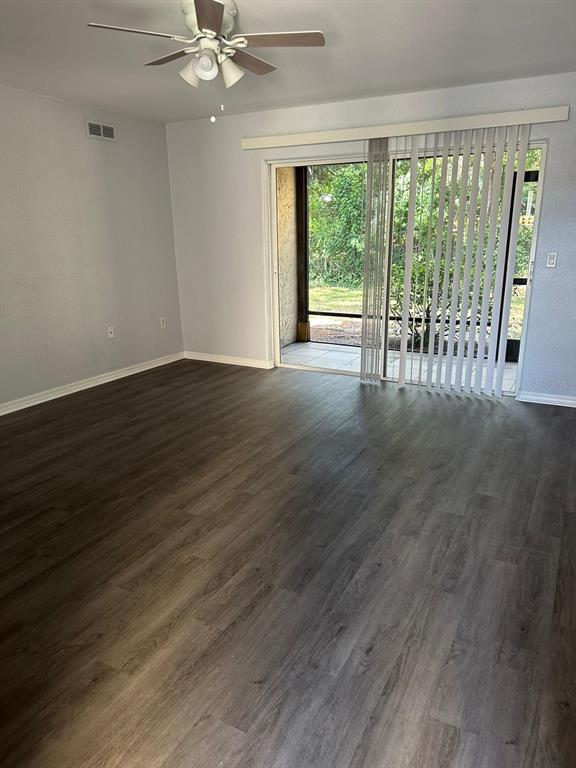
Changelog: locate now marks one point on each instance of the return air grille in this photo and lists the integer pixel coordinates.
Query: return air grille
(108, 132)
(100, 131)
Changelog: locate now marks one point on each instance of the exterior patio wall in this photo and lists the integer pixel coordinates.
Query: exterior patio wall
(286, 238)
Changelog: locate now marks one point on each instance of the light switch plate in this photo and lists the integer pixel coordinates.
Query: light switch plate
(551, 258)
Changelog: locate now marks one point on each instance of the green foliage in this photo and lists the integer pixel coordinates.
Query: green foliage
(336, 224)
(336, 232)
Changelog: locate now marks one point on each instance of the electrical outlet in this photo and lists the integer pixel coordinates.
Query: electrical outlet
(110, 333)
(551, 259)
(163, 323)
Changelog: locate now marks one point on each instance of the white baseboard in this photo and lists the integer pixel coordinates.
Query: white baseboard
(227, 360)
(539, 397)
(93, 381)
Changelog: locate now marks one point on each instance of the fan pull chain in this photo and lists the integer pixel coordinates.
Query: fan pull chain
(213, 117)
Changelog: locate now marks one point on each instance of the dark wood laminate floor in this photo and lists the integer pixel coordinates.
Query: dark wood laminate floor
(206, 566)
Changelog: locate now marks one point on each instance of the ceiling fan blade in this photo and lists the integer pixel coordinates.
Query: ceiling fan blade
(179, 38)
(209, 14)
(252, 63)
(171, 57)
(284, 39)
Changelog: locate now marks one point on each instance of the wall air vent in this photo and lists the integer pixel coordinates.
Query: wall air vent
(108, 132)
(100, 131)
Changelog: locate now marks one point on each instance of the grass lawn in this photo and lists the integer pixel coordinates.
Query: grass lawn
(328, 298)
(516, 312)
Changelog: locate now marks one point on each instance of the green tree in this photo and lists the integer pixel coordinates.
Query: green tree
(336, 232)
(336, 224)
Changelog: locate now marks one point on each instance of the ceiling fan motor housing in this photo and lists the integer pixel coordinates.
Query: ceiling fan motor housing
(228, 22)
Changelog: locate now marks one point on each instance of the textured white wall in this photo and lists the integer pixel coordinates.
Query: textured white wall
(287, 254)
(217, 197)
(86, 240)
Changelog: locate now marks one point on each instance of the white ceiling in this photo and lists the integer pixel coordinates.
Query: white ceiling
(373, 47)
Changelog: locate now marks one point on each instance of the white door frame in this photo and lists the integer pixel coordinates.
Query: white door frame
(269, 167)
(541, 144)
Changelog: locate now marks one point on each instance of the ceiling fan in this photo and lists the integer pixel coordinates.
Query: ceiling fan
(214, 49)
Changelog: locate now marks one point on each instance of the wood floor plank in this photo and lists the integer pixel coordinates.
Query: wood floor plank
(443, 746)
(206, 566)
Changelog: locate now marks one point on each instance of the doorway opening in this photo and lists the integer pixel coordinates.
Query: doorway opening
(320, 237)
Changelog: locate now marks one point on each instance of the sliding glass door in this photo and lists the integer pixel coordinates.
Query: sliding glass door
(458, 226)
(458, 246)
(320, 243)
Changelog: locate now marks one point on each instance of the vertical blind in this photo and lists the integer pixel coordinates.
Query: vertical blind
(457, 282)
(374, 260)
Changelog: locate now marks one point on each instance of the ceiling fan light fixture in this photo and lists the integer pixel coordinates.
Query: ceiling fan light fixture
(189, 75)
(209, 40)
(205, 64)
(231, 72)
